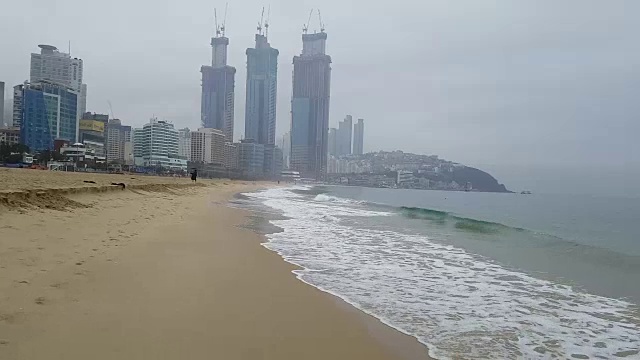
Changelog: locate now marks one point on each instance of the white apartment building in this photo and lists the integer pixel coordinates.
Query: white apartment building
(156, 145)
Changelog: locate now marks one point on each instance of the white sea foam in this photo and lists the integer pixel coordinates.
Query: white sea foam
(335, 199)
(455, 302)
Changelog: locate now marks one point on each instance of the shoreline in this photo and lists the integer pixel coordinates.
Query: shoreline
(166, 274)
(403, 344)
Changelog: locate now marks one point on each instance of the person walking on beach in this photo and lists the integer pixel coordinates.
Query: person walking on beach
(194, 175)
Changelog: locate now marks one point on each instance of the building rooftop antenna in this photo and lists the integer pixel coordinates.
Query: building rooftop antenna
(266, 24)
(259, 28)
(305, 27)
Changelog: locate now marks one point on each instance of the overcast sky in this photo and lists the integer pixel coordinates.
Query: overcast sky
(510, 86)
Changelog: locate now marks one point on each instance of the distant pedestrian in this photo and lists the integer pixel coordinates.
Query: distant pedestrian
(194, 175)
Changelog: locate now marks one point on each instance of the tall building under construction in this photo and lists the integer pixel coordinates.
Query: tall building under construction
(218, 84)
(262, 89)
(310, 107)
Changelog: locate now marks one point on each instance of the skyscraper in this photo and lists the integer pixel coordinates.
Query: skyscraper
(358, 137)
(310, 107)
(343, 137)
(260, 110)
(333, 142)
(218, 84)
(60, 68)
(286, 149)
(49, 112)
(2, 122)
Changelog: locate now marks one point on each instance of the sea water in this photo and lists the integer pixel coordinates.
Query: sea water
(472, 275)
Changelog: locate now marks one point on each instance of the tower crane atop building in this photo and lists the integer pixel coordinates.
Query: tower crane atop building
(220, 28)
(305, 27)
(321, 23)
(266, 24)
(261, 22)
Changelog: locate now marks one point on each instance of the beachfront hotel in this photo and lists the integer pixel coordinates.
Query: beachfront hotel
(156, 144)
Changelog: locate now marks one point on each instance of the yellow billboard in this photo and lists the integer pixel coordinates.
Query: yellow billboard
(92, 125)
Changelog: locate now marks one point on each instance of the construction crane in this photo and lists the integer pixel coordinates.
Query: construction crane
(305, 27)
(259, 28)
(224, 21)
(321, 23)
(111, 109)
(215, 16)
(266, 24)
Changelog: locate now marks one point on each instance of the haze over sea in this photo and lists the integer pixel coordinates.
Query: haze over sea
(481, 275)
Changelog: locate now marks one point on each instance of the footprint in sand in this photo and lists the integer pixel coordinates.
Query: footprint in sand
(12, 318)
(58, 285)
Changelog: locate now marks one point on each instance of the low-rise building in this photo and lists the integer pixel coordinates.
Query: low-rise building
(93, 131)
(10, 136)
(251, 159)
(405, 178)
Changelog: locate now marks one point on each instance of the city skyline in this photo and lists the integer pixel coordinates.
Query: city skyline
(488, 105)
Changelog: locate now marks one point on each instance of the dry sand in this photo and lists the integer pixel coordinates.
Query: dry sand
(163, 272)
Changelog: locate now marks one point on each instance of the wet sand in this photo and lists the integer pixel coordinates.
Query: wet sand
(164, 272)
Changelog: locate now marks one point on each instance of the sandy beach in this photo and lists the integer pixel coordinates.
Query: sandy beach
(160, 270)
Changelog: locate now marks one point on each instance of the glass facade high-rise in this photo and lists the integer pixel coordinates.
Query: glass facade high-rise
(48, 113)
(218, 84)
(310, 107)
(260, 109)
